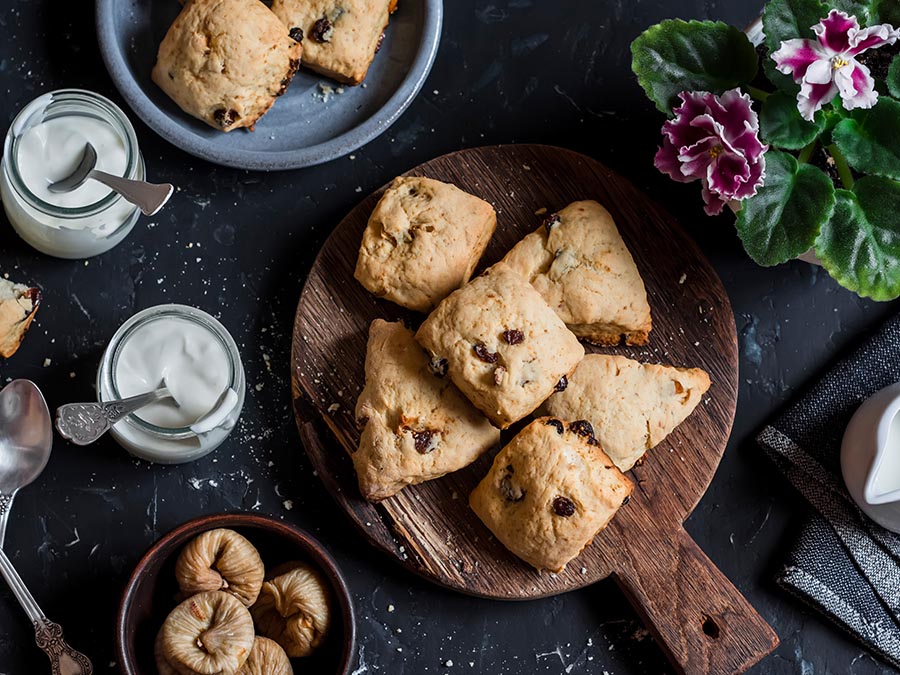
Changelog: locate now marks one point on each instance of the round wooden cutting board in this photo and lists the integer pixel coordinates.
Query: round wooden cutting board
(701, 620)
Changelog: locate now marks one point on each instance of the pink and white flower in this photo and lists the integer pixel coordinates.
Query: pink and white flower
(714, 139)
(827, 66)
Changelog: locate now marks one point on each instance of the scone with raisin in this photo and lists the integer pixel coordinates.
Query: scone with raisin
(503, 346)
(18, 305)
(549, 492)
(579, 263)
(226, 61)
(423, 241)
(417, 425)
(341, 37)
(632, 406)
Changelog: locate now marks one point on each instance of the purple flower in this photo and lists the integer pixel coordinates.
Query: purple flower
(714, 139)
(827, 66)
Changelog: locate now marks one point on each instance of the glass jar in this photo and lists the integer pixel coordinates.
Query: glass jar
(73, 230)
(166, 445)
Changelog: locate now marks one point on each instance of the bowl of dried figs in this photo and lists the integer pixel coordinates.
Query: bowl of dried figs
(236, 593)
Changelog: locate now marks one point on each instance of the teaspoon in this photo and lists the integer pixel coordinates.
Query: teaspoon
(150, 197)
(84, 423)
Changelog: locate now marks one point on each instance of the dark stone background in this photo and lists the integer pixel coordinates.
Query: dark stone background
(238, 244)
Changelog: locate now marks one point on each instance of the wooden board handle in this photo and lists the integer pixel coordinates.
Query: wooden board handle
(702, 622)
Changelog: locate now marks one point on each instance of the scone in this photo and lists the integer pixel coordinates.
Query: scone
(579, 263)
(18, 305)
(226, 61)
(417, 425)
(632, 406)
(503, 346)
(423, 241)
(549, 492)
(341, 37)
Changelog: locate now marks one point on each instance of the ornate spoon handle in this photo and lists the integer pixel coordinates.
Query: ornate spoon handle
(84, 423)
(63, 659)
(48, 635)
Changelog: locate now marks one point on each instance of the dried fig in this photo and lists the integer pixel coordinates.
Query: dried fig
(293, 609)
(163, 667)
(221, 560)
(266, 658)
(208, 634)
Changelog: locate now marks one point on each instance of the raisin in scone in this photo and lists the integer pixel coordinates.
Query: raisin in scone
(423, 241)
(226, 61)
(502, 345)
(340, 37)
(18, 305)
(579, 263)
(632, 406)
(417, 425)
(549, 492)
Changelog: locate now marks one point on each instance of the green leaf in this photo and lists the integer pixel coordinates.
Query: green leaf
(789, 19)
(786, 20)
(893, 77)
(784, 218)
(886, 11)
(781, 81)
(675, 56)
(861, 9)
(782, 126)
(870, 139)
(860, 244)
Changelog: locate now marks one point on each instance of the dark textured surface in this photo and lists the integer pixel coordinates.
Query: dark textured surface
(238, 245)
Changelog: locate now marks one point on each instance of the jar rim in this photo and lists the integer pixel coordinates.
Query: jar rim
(142, 318)
(108, 112)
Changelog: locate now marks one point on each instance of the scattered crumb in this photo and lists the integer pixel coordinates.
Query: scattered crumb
(47, 363)
(683, 278)
(541, 211)
(334, 407)
(390, 608)
(288, 504)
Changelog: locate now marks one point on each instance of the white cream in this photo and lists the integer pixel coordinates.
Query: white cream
(44, 144)
(52, 150)
(188, 358)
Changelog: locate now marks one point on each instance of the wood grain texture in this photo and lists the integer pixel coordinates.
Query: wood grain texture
(429, 528)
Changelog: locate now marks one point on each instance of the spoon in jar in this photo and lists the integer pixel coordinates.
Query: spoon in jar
(26, 439)
(149, 197)
(84, 423)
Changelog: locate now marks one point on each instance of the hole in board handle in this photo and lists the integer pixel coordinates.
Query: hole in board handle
(710, 627)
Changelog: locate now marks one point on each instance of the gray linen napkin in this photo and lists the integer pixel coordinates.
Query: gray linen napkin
(843, 563)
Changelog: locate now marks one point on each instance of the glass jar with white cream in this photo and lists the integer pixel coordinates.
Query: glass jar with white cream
(44, 144)
(196, 359)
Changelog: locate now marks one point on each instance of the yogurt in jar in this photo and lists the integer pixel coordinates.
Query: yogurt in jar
(44, 144)
(194, 356)
(181, 355)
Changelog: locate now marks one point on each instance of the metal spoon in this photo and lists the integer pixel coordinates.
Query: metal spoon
(84, 423)
(26, 438)
(150, 197)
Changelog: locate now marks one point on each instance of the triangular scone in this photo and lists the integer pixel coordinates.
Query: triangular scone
(579, 263)
(632, 406)
(418, 426)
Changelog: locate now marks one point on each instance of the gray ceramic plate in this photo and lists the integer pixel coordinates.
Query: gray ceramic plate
(301, 129)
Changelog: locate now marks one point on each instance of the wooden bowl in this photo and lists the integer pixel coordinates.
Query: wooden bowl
(151, 591)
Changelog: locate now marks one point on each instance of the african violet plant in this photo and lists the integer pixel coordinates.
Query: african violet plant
(806, 149)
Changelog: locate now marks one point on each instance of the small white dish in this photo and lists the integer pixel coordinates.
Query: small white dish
(870, 457)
